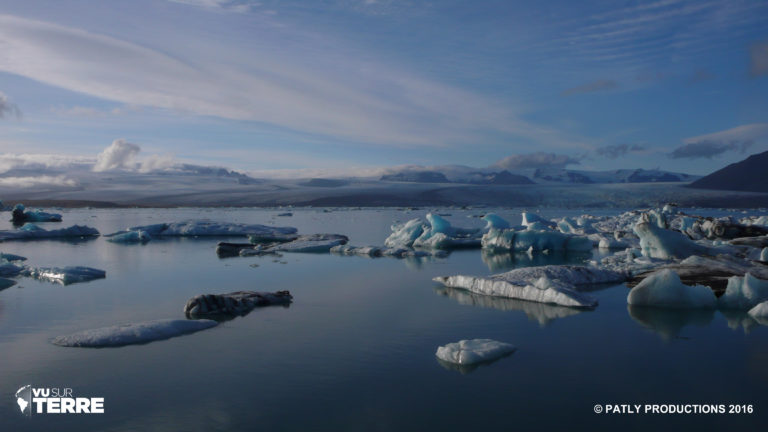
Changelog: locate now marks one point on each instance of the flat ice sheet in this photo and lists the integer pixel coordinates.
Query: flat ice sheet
(133, 333)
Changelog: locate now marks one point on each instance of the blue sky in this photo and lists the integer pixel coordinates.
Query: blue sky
(344, 86)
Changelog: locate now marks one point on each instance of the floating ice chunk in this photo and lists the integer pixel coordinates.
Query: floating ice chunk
(235, 303)
(370, 251)
(744, 292)
(11, 257)
(755, 220)
(760, 313)
(545, 284)
(138, 236)
(764, 254)
(495, 222)
(529, 218)
(6, 283)
(512, 240)
(540, 312)
(132, 334)
(19, 215)
(439, 224)
(441, 235)
(195, 228)
(473, 351)
(312, 243)
(661, 243)
(32, 231)
(403, 235)
(664, 289)
(65, 275)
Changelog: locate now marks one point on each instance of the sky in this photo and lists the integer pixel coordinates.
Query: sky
(346, 86)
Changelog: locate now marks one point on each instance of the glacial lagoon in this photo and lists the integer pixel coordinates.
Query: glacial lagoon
(356, 348)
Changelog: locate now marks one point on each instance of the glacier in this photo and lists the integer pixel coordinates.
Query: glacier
(133, 333)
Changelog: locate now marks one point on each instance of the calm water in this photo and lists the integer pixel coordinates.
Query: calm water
(355, 351)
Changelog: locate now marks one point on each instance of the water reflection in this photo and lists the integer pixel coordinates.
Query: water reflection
(668, 323)
(740, 319)
(543, 313)
(505, 261)
(469, 368)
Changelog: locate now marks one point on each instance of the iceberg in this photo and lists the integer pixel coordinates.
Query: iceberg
(312, 243)
(744, 292)
(11, 257)
(369, 251)
(534, 240)
(764, 254)
(467, 352)
(128, 237)
(439, 234)
(134, 333)
(64, 275)
(664, 289)
(760, 313)
(20, 215)
(545, 284)
(195, 228)
(495, 222)
(662, 243)
(403, 235)
(235, 303)
(33, 232)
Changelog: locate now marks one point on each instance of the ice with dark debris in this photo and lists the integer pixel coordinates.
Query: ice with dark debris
(20, 215)
(133, 333)
(235, 303)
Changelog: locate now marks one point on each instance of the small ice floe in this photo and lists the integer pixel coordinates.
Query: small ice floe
(235, 303)
(656, 242)
(664, 289)
(760, 313)
(313, 243)
(34, 232)
(6, 283)
(744, 292)
(545, 284)
(473, 352)
(200, 228)
(436, 234)
(128, 237)
(134, 333)
(11, 257)
(542, 313)
(368, 251)
(495, 222)
(20, 215)
(64, 275)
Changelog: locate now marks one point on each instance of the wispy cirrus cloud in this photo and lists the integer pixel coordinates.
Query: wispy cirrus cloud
(595, 86)
(617, 150)
(7, 107)
(536, 160)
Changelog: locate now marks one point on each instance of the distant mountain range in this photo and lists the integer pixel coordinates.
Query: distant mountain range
(749, 175)
(545, 176)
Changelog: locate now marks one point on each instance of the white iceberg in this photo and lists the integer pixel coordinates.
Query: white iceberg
(656, 242)
(65, 275)
(760, 313)
(127, 237)
(664, 289)
(134, 333)
(764, 254)
(403, 235)
(20, 215)
(466, 352)
(32, 232)
(544, 284)
(495, 221)
(744, 292)
(437, 234)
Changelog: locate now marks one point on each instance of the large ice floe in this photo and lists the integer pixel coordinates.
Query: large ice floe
(664, 289)
(272, 244)
(134, 333)
(473, 352)
(235, 303)
(199, 228)
(34, 232)
(20, 215)
(437, 233)
(64, 275)
(546, 284)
